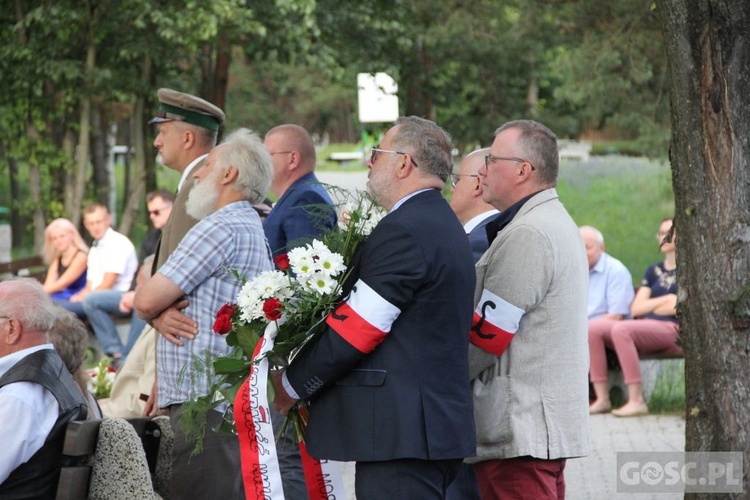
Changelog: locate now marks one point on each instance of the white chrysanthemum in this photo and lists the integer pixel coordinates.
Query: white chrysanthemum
(332, 264)
(345, 214)
(369, 219)
(301, 260)
(319, 283)
(254, 293)
(270, 284)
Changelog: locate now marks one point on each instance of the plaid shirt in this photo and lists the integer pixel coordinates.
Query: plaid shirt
(232, 238)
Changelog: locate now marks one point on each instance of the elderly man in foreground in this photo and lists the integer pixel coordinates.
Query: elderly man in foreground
(38, 397)
(229, 235)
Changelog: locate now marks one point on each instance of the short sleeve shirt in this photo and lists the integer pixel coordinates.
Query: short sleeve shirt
(661, 282)
(113, 253)
(230, 238)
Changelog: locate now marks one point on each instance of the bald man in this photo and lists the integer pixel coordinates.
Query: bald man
(467, 203)
(610, 282)
(304, 208)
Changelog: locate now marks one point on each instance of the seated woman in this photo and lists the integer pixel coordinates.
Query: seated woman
(654, 329)
(66, 254)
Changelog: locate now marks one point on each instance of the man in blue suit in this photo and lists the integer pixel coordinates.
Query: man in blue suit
(467, 203)
(388, 381)
(304, 208)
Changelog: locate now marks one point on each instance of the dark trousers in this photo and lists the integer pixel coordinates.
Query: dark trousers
(212, 474)
(521, 478)
(465, 486)
(405, 479)
(290, 462)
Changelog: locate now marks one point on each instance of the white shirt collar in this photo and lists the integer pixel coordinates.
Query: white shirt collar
(410, 195)
(8, 361)
(478, 219)
(188, 170)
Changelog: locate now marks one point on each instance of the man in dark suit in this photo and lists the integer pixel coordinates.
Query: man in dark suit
(304, 208)
(389, 380)
(466, 201)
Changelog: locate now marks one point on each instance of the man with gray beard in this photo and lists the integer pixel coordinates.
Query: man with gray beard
(229, 235)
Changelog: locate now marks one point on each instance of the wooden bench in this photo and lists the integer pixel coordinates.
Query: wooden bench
(347, 157)
(574, 150)
(28, 267)
(655, 367)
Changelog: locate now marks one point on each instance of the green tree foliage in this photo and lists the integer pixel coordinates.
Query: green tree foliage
(578, 66)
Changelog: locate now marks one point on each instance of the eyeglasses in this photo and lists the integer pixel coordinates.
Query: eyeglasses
(492, 159)
(374, 152)
(156, 212)
(457, 177)
(280, 153)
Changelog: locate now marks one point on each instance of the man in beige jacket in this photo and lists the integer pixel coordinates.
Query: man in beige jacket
(529, 353)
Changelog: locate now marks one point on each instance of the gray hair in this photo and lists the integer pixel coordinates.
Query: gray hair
(244, 150)
(538, 145)
(27, 302)
(69, 336)
(598, 236)
(431, 145)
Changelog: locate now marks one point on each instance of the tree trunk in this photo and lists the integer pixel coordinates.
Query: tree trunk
(79, 184)
(16, 220)
(138, 134)
(106, 190)
(221, 72)
(707, 44)
(70, 201)
(35, 192)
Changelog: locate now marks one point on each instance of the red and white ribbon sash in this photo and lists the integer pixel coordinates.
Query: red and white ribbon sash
(260, 464)
(252, 415)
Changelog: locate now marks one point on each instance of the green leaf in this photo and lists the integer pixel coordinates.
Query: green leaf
(230, 365)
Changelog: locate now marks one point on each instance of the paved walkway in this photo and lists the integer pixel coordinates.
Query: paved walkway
(595, 477)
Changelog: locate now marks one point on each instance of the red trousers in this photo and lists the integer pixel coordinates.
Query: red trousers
(521, 478)
(628, 338)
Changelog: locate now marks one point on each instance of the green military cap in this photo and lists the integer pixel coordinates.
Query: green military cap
(187, 108)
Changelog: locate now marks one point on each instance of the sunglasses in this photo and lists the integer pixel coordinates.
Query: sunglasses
(156, 212)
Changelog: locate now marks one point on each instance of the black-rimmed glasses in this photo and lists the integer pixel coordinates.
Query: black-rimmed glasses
(455, 178)
(375, 152)
(492, 159)
(280, 153)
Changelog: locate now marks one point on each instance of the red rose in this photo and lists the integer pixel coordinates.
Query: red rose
(272, 309)
(282, 261)
(223, 323)
(227, 310)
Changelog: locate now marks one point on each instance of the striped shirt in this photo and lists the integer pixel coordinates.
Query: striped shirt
(230, 238)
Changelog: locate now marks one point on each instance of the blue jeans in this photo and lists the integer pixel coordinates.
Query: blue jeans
(136, 327)
(74, 307)
(99, 305)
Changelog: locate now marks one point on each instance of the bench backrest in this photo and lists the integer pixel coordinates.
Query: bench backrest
(81, 446)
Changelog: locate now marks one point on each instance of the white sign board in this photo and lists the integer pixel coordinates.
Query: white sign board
(378, 99)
